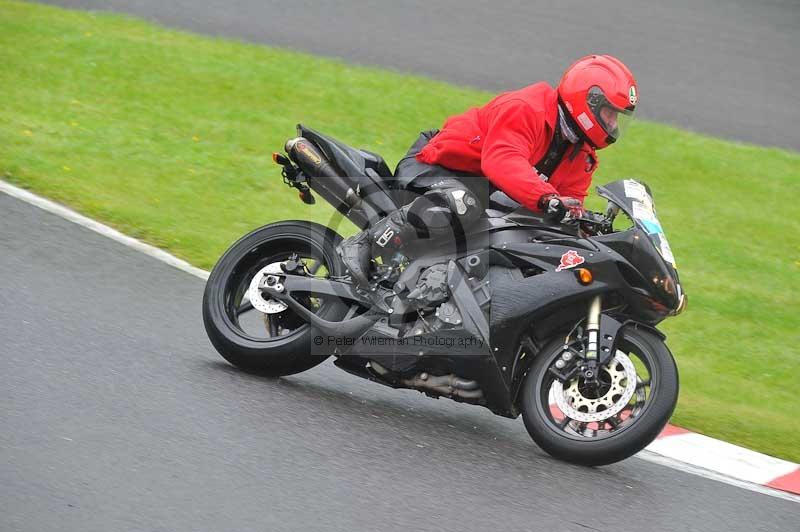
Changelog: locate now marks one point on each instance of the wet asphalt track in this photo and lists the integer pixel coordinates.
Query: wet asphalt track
(724, 67)
(117, 415)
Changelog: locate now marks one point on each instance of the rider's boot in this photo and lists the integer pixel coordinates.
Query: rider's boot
(389, 233)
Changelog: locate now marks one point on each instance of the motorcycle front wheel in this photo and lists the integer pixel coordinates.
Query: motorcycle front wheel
(263, 335)
(601, 424)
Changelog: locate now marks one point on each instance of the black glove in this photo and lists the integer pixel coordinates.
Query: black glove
(561, 208)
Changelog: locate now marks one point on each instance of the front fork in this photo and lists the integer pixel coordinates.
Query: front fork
(593, 327)
(601, 337)
(590, 367)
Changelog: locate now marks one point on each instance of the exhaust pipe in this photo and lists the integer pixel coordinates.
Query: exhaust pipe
(324, 179)
(309, 159)
(445, 385)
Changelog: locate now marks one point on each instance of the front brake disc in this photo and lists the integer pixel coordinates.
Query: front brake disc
(575, 405)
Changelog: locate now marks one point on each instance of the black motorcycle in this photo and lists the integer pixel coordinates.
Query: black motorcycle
(555, 321)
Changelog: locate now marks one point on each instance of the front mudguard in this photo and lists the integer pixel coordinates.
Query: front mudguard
(639, 325)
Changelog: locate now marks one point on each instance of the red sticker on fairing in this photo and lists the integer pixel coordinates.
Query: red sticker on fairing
(570, 259)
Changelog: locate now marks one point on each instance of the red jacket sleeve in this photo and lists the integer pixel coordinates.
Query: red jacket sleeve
(513, 129)
(579, 191)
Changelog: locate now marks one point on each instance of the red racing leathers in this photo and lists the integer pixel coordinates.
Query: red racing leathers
(504, 139)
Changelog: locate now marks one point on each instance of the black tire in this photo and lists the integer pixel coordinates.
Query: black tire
(619, 444)
(282, 355)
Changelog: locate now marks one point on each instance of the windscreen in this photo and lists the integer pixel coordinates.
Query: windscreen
(643, 213)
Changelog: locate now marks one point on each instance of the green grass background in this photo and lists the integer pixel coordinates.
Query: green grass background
(167, 136)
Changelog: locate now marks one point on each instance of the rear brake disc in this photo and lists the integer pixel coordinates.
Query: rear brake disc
(267, 306)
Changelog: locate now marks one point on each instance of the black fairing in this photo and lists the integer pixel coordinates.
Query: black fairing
(540, 304)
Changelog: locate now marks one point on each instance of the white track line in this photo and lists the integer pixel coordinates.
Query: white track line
(97, 227)
(163, 256)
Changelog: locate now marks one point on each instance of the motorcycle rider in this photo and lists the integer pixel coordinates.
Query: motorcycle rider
(537, 144)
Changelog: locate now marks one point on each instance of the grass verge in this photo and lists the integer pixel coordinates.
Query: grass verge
(167, 136)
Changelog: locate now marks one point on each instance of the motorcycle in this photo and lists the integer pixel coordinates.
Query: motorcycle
(521, 315)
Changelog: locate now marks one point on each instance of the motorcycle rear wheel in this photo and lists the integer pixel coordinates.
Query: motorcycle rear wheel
(289, 347)
(641, 418)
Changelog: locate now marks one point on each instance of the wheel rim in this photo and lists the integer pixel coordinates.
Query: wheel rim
(280, 323)
(629, 383)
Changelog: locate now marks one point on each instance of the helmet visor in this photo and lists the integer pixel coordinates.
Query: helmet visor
(611, 118)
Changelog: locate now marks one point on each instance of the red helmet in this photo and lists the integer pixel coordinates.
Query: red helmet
(600, 94)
